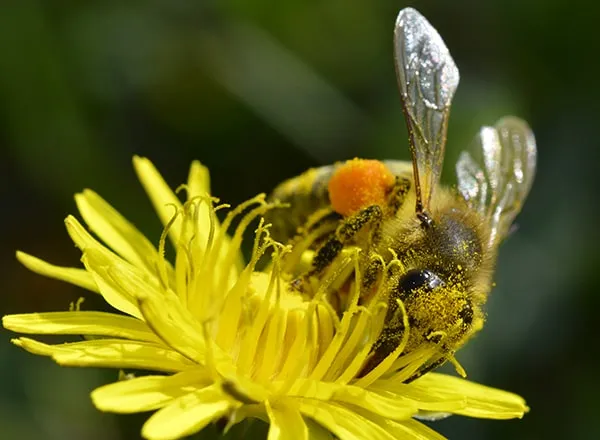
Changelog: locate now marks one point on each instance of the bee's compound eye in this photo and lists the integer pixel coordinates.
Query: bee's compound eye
(422, 280)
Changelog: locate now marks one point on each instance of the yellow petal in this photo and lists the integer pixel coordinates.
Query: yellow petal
(198, 186)
(90, 246)
(163, 198)
(285, 423)
(80, 323)
(390, 406)
(81, 237)
(328, 357)
(481, 401)
(421, 398)
(175, 327)
(78, 277)
(112, 353)
(161, 308)
(198, 180)
(188, 414)
(343, 422)
(99, 266)
(116, 231)
(149, 392)
(318, 432)
(400, 429)
(417, 431)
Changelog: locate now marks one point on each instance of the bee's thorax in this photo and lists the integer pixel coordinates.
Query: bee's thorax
(454, 245)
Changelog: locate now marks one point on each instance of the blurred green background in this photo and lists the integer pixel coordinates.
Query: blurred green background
(261, 90)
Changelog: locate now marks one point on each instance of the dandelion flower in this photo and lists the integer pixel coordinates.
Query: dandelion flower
(227, 341)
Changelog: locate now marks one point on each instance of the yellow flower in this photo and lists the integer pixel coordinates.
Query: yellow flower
(230, 341)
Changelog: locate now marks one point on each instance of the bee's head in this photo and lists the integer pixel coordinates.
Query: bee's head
(442, 260)
(440, 313)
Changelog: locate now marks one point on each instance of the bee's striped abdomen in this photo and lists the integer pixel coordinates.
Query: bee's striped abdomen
(305, 194)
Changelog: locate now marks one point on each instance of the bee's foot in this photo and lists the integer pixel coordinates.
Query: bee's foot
(300, 284)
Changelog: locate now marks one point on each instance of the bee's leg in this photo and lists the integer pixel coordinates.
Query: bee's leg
(319, 226)
(387, 342)
(466, 315)
(398, 194)
(371, 275)
(426, 369)
(371, 216)
(373, 270)
(385, 345)
(390, 337)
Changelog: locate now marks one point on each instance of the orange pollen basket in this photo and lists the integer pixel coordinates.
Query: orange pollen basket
(359, 183)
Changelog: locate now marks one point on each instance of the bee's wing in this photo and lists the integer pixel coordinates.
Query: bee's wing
(428, 78)
(495, 175)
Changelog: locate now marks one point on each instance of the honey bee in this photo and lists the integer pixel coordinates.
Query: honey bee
(446, 239)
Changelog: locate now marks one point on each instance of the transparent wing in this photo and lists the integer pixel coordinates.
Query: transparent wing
(428, 78)
(495, 175)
